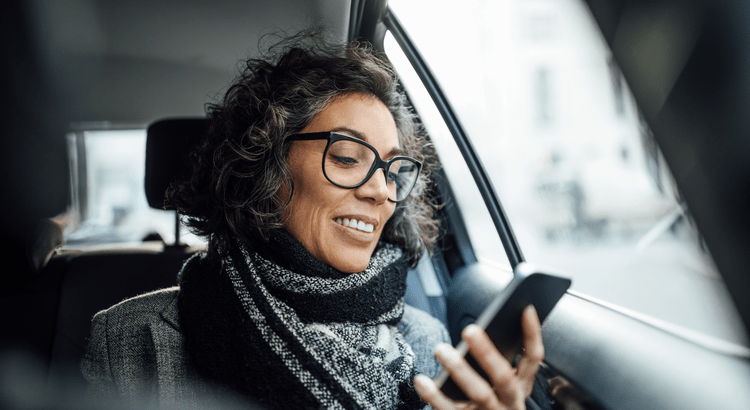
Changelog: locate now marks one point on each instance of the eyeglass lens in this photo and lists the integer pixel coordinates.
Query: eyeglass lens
(347, 163)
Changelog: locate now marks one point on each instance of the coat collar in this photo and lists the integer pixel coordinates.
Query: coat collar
(170, 313)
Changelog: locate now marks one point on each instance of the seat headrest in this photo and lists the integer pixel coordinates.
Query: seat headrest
(169, 143)
(44, 239)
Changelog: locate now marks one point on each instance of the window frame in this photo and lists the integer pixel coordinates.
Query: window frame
(491, 200)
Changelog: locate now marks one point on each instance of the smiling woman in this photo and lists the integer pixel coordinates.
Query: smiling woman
(242, 181)
(309, 191)
(317, 209)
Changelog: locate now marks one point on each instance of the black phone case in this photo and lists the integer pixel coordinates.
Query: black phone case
(502, 317)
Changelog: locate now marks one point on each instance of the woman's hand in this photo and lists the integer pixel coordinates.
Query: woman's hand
(510, 386)
(565, 394)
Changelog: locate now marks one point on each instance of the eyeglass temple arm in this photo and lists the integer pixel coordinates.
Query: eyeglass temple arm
(310, 136)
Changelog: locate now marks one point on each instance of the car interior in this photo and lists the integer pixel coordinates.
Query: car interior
(82, 65)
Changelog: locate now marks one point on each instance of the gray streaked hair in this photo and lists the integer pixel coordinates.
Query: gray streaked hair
(240, 169)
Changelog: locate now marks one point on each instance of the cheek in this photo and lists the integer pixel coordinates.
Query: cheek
(282, 195)
(301, 173)
(311, 201)
(311, 191)
(389, 212)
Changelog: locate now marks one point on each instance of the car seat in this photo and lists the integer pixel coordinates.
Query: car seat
(95, 280)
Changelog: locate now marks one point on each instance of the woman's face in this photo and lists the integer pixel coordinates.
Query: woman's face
(317, 206)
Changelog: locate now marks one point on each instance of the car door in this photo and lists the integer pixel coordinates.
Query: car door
(649, 322)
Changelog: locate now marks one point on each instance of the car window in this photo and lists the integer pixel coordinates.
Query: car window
(578, 173)
(108, 200)
(484, 238)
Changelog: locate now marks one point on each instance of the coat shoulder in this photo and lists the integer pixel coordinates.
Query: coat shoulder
(153, 301)
(142, 310)
(137, 352)
(423, 333)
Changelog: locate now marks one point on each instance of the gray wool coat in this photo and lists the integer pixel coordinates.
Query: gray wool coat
(137, 354)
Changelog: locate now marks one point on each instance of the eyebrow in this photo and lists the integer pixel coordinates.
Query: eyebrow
(356, 134)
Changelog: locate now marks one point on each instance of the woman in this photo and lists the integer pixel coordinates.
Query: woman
(311, 189)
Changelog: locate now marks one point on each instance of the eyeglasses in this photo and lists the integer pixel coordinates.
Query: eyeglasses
(349, 162)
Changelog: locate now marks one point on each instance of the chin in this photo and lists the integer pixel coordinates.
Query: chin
(349, 267)
(351, 263)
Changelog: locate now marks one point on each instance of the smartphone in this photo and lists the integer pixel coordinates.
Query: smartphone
(501, 319)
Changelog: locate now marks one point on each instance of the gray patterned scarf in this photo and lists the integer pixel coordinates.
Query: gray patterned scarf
(282, 328)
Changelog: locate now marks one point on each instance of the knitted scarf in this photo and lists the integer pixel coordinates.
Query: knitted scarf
(277, 326)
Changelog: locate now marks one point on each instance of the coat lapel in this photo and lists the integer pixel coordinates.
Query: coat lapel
(170, 314)
(176, 375)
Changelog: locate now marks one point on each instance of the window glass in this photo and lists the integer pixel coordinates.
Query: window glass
(583, 183)
(109, 199)
(481, 229)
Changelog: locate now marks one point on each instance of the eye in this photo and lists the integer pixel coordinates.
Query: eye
(344, 160)
(392, 177)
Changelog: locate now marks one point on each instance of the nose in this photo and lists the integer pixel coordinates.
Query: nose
(375, 188)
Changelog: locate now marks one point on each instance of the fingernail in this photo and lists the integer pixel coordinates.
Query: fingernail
(423, 384)
(531, 309)
(446, 353)
(471, 331)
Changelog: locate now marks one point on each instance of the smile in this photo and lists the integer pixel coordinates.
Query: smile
(355, 224)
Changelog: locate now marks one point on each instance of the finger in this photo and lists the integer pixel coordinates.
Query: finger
(557, 382)
(564, 393)
(431, 395)
(469, 381)
(533, 353)
(501, 373)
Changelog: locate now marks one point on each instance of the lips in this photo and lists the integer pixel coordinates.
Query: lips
(354, 223)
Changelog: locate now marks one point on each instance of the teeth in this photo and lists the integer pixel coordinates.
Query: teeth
(353, 223)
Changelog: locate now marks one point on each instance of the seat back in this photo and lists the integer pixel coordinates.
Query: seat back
(93, 281)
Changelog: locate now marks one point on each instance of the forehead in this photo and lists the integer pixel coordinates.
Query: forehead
(361, 116)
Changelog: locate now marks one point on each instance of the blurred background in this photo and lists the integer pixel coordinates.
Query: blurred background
(571, 157)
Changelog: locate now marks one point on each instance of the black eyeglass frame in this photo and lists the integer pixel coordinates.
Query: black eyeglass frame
(378, 163)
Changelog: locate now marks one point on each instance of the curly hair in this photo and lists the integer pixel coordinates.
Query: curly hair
(240, 169)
